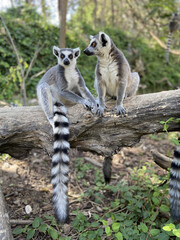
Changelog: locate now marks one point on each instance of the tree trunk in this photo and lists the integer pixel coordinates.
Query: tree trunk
(62, 9)
(112, 12)
(5, 229)
(103, 10)
(25, 128)
(95, 14)
(43, 8)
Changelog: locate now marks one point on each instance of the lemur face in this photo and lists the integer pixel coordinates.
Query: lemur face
(99, 45)
(66, 56)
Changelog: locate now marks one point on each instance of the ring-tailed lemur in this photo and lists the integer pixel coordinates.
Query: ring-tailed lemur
(175, 184)
(62, 85)
(174, 25)
(113, 76)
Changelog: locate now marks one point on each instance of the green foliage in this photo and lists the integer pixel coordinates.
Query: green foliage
(29, 35)
(133, 213)
(166, 126)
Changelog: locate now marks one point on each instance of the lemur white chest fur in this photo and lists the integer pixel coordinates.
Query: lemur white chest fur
(109, 71)
(60, 86)
(72, 77)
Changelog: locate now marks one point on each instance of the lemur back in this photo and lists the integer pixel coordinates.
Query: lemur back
(175, 184)
(62, 85)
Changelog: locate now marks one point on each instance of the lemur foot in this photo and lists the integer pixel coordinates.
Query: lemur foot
(100, 111)
(120, 110)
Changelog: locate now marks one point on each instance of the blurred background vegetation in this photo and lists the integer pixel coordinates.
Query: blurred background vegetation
(137, 27)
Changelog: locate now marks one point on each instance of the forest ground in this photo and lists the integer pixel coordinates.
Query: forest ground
(27, 182)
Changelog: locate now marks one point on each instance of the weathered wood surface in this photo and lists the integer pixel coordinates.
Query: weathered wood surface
(5, 229)
(26, 128)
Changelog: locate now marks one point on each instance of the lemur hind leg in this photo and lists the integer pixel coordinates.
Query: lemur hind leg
(46, 100)
(133, 85)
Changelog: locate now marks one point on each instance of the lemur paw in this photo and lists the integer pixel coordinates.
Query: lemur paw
(120, 110)
(87, 104)
(100, 111)
(94, 109)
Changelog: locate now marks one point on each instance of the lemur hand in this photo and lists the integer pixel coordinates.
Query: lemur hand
(87, 103)
(120, 110)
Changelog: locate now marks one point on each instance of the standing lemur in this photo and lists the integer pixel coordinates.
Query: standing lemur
(113, 76)
(62, 85)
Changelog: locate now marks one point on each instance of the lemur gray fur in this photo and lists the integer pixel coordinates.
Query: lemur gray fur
(174, 25)
(62, 85)
(113, 76)
(175, 184)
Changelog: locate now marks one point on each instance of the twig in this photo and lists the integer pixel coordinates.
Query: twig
(32, 61)
(20, 222)
(161, 160)
(13, 45)
(39, 73)
(97, 164)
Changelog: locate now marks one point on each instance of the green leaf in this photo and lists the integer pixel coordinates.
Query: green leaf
(43, 228)
(119, 236)
(163, 236)
(144, 227)
(30, 234)
(176, 232)
(18, 230)
(105, 223)
(94, 224)
(108, 231)
(155, 200)
(115, 227)
(52, 232)
(164, 208)
(166, 228)
(154, 232)
(36, 222)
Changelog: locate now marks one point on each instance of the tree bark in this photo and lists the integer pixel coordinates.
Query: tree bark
(25, 128)
(62, 8)
(5, 229)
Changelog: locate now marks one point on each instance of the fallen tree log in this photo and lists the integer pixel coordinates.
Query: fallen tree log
(25, 128)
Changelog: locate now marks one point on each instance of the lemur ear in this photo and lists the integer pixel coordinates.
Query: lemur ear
(103, 38)
(77, 52)
(91, 37)
(56, 51)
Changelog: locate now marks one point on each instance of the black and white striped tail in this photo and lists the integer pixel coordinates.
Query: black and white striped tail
(168, 47)
(60, 163)
(175, 184)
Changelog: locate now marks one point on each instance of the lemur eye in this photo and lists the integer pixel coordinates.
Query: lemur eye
(71, 56)
(93, 44)
(62, 56)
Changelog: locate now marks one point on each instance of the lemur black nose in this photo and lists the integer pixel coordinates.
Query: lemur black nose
(66, 62)
(87, 52)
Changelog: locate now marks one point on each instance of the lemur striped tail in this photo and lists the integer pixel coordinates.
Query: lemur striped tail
(60, 163)
(168, 47)
(175, 184)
